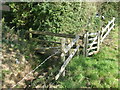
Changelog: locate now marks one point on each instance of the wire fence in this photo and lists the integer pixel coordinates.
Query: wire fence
(91, 43)
(37, 67)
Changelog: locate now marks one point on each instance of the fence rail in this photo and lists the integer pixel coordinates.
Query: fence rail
(107, 29)
(91, 43)
(54, 34)
(67, 48)
(66, 62)
(44, 41)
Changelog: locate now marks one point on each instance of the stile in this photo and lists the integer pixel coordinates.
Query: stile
(66, 62)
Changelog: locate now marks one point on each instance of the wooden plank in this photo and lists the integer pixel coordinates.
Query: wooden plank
(63, 40)
(107, 33)
(71, 44)
(91, 44)
(54, 34)
(44, 41)
(91, 39)
(66, 62)
(68, 41)
(108, 25)
(91, 34)
(78, 43)
(98, 44)
(86, 52)
(91, 53)
(92, 48)
(102, 33)
(105, 29)
(84, 45)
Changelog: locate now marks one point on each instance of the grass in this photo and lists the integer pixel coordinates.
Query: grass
(98, 71)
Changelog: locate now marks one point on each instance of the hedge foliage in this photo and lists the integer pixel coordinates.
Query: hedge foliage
(54, 16)
(65, 17)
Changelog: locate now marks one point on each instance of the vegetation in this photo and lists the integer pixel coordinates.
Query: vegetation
(98, 71)
(53, 16)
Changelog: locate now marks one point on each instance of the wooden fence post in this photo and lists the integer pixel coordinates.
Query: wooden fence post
(77, 43)
(63, 40)
(68, 42)
(113, 23)
(66, 62)
(87, 43)
(84, 38)
(85, 52)
(98, 42)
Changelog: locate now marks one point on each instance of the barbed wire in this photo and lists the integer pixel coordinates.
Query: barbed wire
(36, 68)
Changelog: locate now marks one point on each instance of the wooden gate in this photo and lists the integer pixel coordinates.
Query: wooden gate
(107, 29)
(91, 43)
